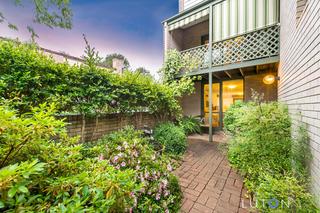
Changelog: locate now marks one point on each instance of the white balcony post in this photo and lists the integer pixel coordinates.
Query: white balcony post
(210, 73)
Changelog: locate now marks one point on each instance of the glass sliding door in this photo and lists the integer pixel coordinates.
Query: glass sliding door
(232, 91)
(215, 104)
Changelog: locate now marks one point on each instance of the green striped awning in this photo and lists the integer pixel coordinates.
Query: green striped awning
(189, 19)
(231, 17)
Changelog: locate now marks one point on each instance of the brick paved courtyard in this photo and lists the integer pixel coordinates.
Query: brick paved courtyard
(207, 181)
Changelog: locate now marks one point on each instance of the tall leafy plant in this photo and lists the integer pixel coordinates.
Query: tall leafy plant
(272, 162)
(31, 78)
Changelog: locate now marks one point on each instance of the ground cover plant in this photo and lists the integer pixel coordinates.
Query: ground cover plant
(44, 170)
(263, 150)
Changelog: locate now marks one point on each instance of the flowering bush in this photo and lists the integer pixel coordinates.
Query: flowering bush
(38, 174)
(127, 150)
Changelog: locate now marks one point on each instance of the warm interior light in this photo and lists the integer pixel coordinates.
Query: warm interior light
(232, 86)
(269, 79)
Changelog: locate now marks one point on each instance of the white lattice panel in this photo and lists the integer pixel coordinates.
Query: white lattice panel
(199, 54)
(262, 43)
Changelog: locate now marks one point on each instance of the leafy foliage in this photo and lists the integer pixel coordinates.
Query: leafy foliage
(32, 78)
(175, 64)
(39, 174)
(53, 13)
(91, 56)
(263, 132)
(301, 153)
(172, 137)
(287, 192)
(230, 119)
(190, 125)
(263, 150)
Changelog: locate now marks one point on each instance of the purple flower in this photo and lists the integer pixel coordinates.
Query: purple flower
(169, 167)
(167, 211)
(123, 164)
(118, 167)
(158, 196)
(165, 182)
(101, 157)
(115, 159)
(146, 175)
(166, 193)
(119, 148)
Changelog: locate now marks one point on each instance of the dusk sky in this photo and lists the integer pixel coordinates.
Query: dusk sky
(130, 27)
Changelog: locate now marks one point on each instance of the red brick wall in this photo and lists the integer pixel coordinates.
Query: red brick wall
(95, 128)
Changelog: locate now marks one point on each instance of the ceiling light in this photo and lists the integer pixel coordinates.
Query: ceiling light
(232, 86)
(269, 79)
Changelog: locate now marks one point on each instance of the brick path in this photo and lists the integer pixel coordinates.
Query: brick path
(207, 181)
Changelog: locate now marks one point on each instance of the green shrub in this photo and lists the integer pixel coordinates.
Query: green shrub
(230, 119)
(273, 163)
(171, 137)
(160, 190)
(38, 174)
(32, 78)
(262, 141)
(301, 153)
(190, 125)
(283, 193)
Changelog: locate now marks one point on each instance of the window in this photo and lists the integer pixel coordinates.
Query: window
(301, 5)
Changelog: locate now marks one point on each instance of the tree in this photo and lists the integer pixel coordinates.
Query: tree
(108, 60)
(53, 13)
(143, 71)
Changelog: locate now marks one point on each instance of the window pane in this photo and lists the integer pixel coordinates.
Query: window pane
(215, 104)
(232, 92)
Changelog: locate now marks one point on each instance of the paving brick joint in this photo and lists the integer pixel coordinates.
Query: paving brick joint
(208, 182)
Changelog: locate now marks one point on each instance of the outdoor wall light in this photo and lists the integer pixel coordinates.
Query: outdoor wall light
(269, 79)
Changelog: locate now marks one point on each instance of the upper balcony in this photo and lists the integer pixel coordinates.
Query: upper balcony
(226, 34)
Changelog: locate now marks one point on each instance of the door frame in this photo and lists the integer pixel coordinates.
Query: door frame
(221, 113)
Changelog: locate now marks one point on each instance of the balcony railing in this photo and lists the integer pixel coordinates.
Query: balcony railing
(257, 44)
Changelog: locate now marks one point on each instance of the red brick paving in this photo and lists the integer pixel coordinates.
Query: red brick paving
(207, 180)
